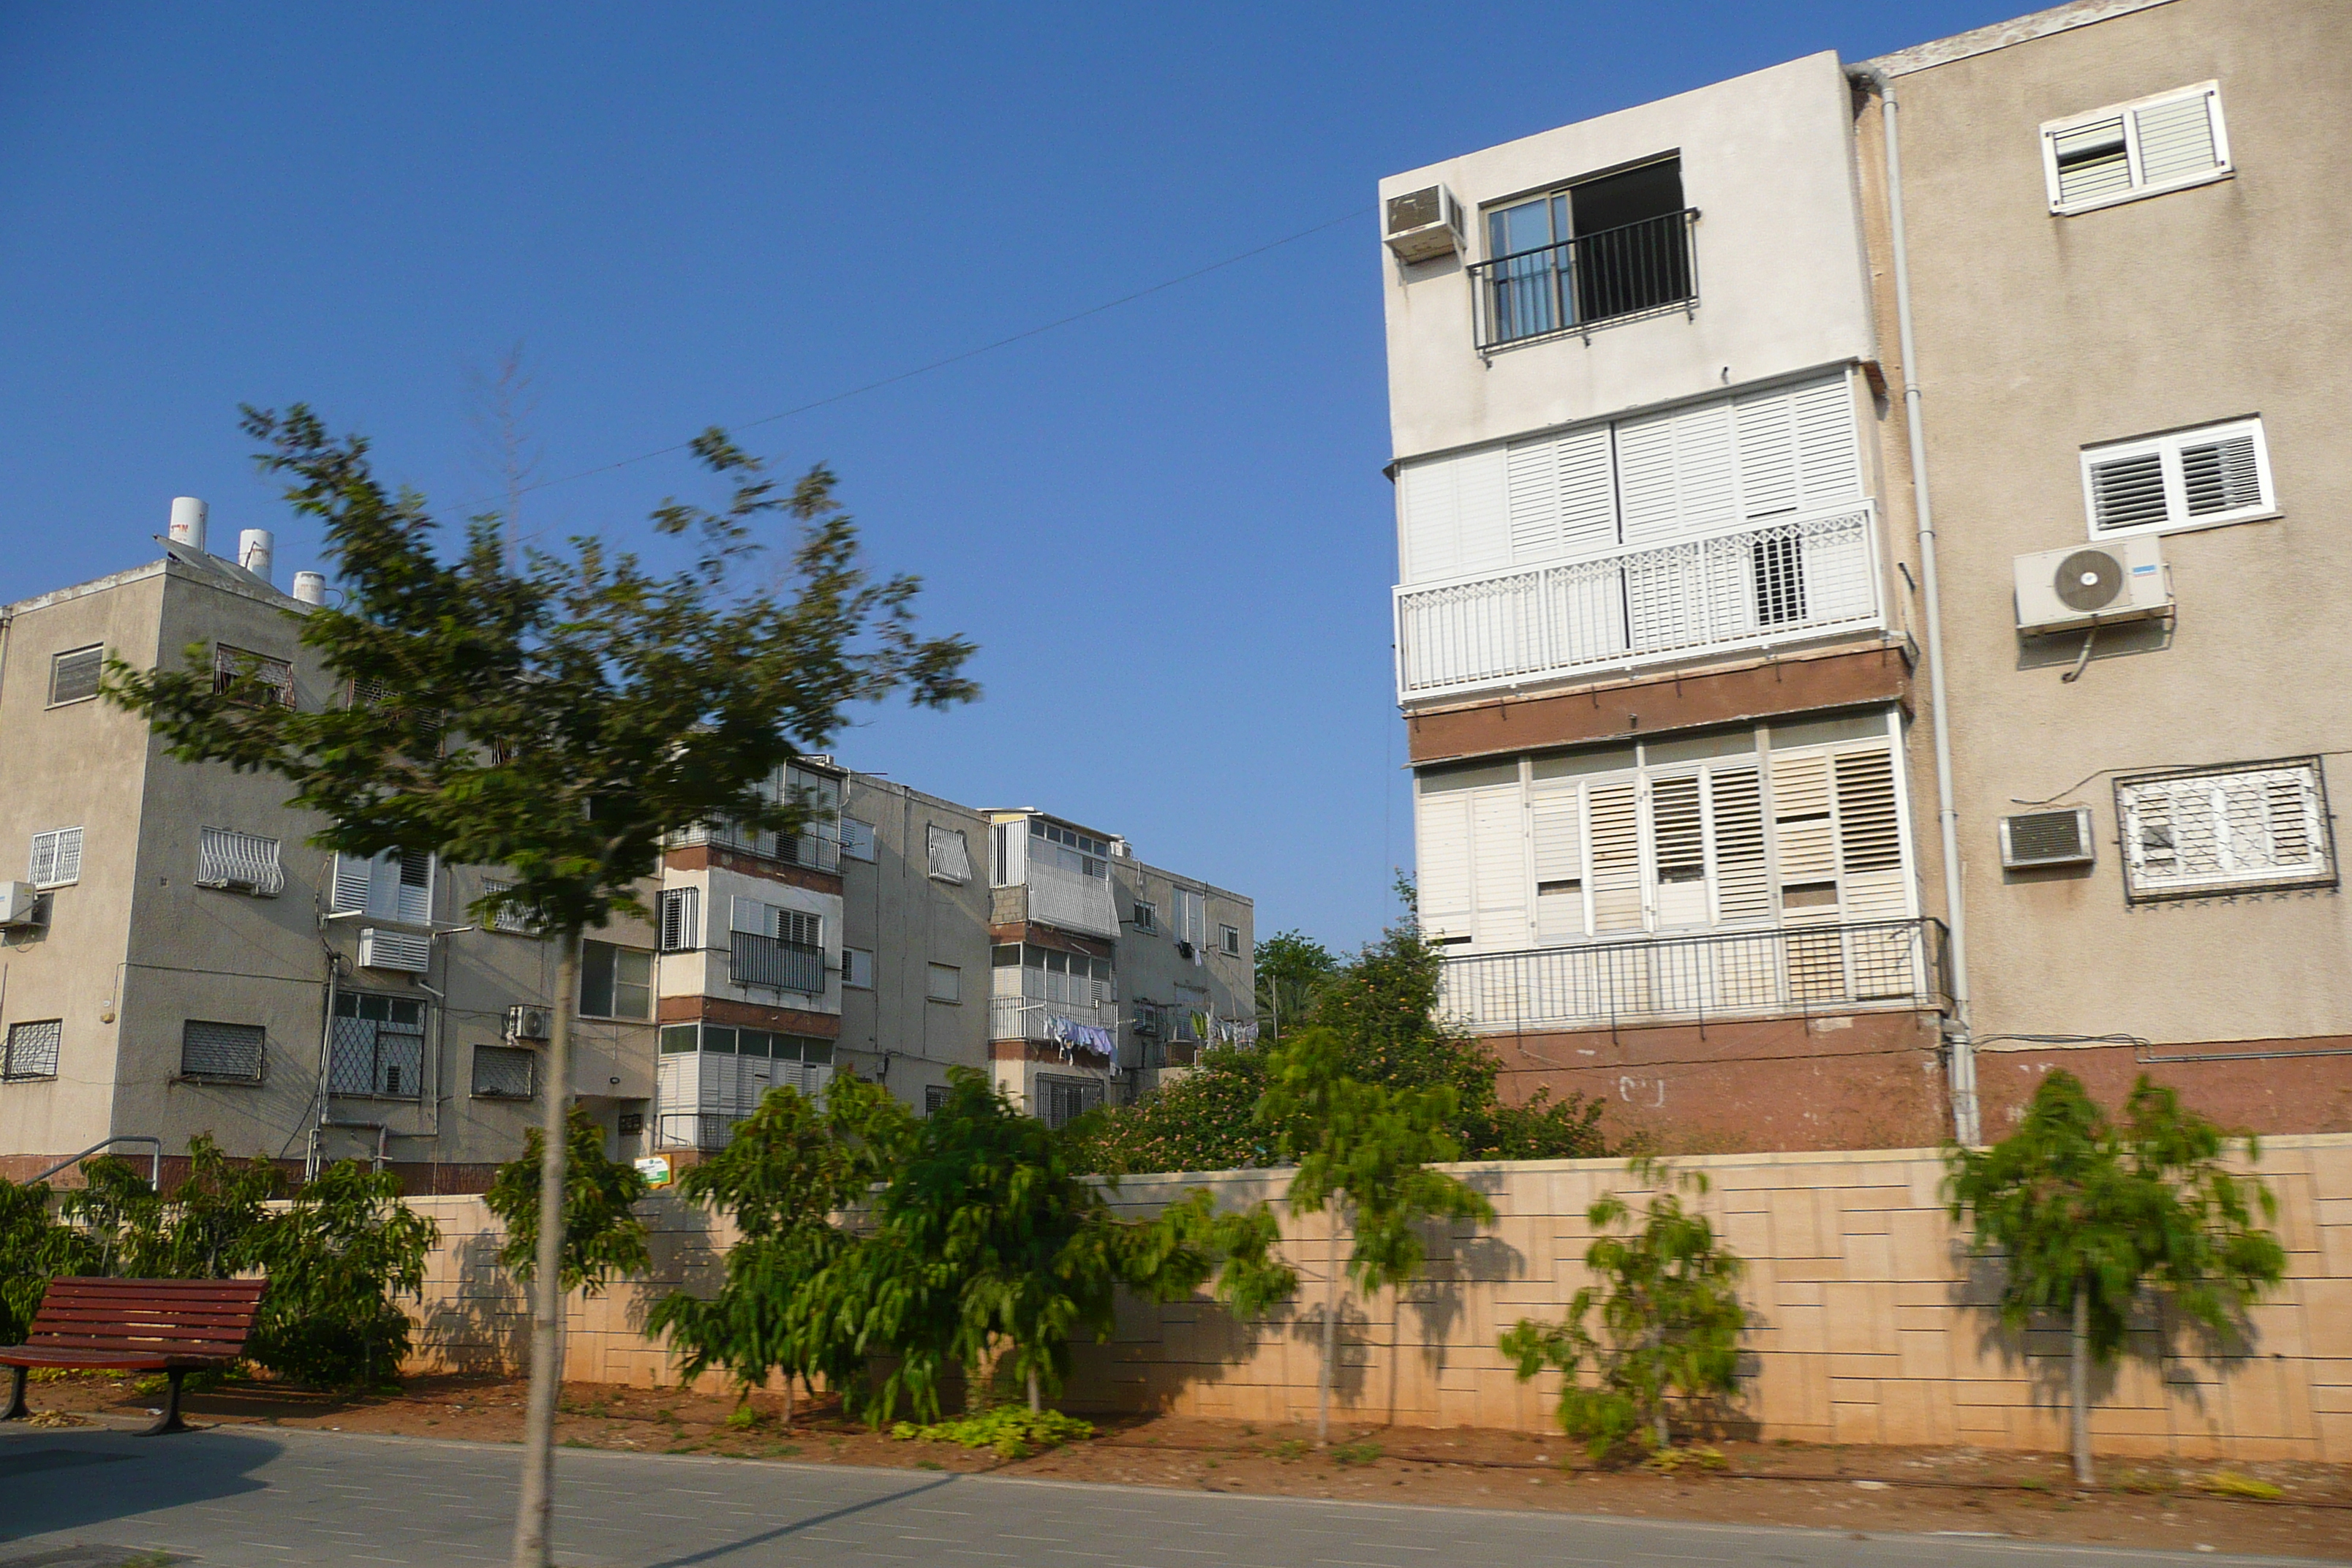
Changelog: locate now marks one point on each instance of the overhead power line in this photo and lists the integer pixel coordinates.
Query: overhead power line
(926, 369)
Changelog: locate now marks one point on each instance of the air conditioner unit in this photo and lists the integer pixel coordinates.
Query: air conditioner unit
(525, 1022)
(2037, 838)
(20, 905)
(407, 952)
(1425, 225)
(1145, 1024)
(2091, 584)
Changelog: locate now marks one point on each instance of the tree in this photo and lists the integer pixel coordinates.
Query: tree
(788, 1170)
(35, 1248)
(336, 1255)
(558, 718)
(1291, 966)
(603, 1235)
(1669, 1314)
(1363, 1152)
(2088, 1212)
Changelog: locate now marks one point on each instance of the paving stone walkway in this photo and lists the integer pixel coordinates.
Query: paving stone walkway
(94, 1499)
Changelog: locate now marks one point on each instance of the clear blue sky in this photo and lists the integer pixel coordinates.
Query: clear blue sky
(1165, 525)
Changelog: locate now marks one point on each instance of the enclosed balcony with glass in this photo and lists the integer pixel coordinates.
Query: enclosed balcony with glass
(816, 847)
(1052, 872)
(1046, 994)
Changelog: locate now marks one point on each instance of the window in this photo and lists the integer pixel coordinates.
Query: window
(615, 981)
(2221, 830)
(935, 1099)
(1147, 915)
(378, 1047)
(396, 885)
(857, 968)
(857, 838)
(73, 675)
(2126, 150)
(1070, 979)
(512, 919)
(2193, 478)
(224, 1053)
(681, 919)
(252, 679)
(1229, 940)
(1062, 1100)
(504, 1072)
(1612, 246)
(57, 857)
(795, 926)
(951, 859)
(31, 1050)
(244, 862)
(944, 983)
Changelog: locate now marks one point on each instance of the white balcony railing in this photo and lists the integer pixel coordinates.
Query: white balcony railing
(1748, 587)
(1032, 1018)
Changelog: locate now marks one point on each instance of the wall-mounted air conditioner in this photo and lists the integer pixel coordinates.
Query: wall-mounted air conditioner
(526, 1022)
(407, 952)
(1146, 1026)
(1423, 225)
(20, 905)
(2035, 839)
(2091, 584)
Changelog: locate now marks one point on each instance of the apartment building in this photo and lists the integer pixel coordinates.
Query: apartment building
(179, 961)
(1668, 636)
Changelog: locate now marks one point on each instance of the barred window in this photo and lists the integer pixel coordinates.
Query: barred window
(230, 1053)
(681, 919)
(510, 918)
(503, 1072)
(73, 675)
(2220, 830)
(31, 1050)
(951, 859)
(252, 679)
(247, 862)
(1062, 1099)
(935, 1099)
(57, 857)
(378, 1045)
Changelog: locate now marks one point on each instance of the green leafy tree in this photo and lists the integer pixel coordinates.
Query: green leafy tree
(121, 1213)
(787, 1174)
(2089, 1214)
(1363, 1152)
(1668, 1318)
(603, 1235)
(35, 1248)
(1203, 1119)
(557, 716)
(336, 1255)
(1291, 967)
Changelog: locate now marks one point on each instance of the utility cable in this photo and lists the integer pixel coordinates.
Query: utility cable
(969, 354)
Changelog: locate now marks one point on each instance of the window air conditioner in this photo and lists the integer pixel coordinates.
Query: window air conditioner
(1425, 225)
(525, 1022)
(1145, 1024)
(2091, 584)
(20, 905)
(404, 951)
(2037, 838)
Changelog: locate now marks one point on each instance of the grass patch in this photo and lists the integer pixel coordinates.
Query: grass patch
(1354, 1453)
(1290, 1450)
(1666, 1461)
(1012, 1430)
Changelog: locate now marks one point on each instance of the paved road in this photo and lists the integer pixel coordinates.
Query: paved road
(247, 1496)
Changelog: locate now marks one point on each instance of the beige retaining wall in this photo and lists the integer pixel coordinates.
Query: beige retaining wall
(1870, 1325)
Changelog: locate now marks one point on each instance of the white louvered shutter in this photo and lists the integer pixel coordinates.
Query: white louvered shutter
(1797, 448)
(752, 916)
(1562, 496)
(1805, 836)
(413, 901)
(1556, 846)
(1872, 882)
(1678, 472)
(2091, 160)
(1615, 858)
(1499, 866)
(1442, 862)
(1743, 887)
(2177, 139)
(353, 875)
(1678, 846)
(1455, 514)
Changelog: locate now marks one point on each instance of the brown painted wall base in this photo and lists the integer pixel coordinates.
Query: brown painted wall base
(1867, 1080)
(2288, 1092)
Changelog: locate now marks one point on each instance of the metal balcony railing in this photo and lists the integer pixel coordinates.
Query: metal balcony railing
(1752, 586)
(755, 959)
(1593, 278)
(818, 848)
(1747, 973)
(1032, 1017)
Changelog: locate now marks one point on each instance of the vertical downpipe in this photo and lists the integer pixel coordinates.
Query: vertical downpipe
(1967, 1125)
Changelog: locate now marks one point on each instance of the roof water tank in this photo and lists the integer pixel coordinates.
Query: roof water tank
(252, 547)
(188, 521)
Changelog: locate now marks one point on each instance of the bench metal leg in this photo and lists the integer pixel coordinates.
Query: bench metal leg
(15, 1411)
(170, 1421)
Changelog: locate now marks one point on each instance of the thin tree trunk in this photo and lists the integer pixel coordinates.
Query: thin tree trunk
(1330, 1337)
(788, 1402)
(535, 1511)
(2078, 1380)
(1036, 1398)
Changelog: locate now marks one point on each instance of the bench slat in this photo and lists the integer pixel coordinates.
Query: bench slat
(64, 1322)
(192, 1292)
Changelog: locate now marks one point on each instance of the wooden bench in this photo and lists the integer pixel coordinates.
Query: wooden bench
(172, 1326)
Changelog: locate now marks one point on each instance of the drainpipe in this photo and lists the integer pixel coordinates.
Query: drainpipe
(1967, 1125)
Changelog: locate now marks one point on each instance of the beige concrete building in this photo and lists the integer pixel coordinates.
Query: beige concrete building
(1669, 633)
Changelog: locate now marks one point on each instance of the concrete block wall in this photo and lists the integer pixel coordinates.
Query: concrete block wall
(1869, 1324)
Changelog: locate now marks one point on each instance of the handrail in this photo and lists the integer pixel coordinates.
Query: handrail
(156, 1161)
(1571, 285)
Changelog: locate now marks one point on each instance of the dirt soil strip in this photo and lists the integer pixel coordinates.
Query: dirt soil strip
(2169, 1504)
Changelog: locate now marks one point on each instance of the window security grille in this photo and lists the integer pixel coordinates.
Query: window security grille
(377, 1046)
(229, 1052)
(951, 859)
(57, 857)
(74, 675)
(513, 920)
(503, 1072)
(1062, 1099)
(2221, 830)
(251, 678)
(2194, 479)
(2132, 149)
(245, 861)
(31, 1050)
(681, 919)
(935, 1099)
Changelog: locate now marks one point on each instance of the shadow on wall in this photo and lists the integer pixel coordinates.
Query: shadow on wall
(482, 1324)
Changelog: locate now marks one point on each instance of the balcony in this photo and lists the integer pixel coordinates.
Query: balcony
(766, 961)
(1032, 1018)
(818, 850)
(1796, 970)
(1756, 587)
(1579, 283)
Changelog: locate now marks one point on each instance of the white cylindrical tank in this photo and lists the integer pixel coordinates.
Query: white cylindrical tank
(188, 521)
(253, 548)
(310, 587)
